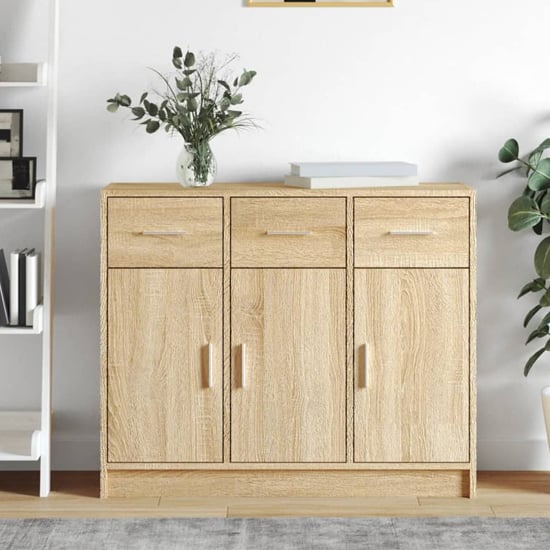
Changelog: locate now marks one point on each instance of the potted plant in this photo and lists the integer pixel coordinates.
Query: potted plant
(198, 103)
(530, 211)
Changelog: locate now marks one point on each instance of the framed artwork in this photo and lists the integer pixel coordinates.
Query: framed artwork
(11, 132)
(17, 178)
(320, 3)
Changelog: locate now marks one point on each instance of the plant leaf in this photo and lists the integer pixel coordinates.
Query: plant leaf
(540, 177)
(152, 126)
(542, 259)
(138, 112)
(237, 99)
(531, 314)
(532, 360)
(189, 60)
(523, 213)
(533, 286)
(544, 322)
(112, 107)
(509, 151)
(538, 333)
(545, 300)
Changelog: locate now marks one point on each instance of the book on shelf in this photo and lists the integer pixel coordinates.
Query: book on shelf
(14, 287)
(4, 291)
(32, 284)
(342, 182)
(353, 169)
(24, 286)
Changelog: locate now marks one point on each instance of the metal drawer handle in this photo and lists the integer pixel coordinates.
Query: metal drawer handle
(411, 233)
(271, 233)
(210, 364)
(163, 233)
(243, 365)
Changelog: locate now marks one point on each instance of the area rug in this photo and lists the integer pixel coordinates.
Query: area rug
(266, 534)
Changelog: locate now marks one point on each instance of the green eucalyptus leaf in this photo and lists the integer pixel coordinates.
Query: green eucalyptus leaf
(112, 107)
(509, 151)
(152, 126)
(533, 359)
(545, 206)
(186, 83)
(177, 53)
(225, 85)
(544, 322)
(540, 177)
(531, 314)
(189, 60)
(143, 97)
(543, 146)
(237, 99)
(534, 157)
(523, 213)
(138, 112)
(189, 72)
(537, 229)
(225, 103)
(125, 101)
(542, 259)
(534, 286)
(151, 108)
(192, 104)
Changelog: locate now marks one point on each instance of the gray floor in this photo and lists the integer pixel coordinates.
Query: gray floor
(260, 534)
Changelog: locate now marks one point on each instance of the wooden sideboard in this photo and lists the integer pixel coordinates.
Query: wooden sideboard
(264, 340)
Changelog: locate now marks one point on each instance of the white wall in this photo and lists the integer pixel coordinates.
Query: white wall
(442, 83)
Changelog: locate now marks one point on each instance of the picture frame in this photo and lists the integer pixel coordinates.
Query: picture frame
(11, 133)
(17, 178)
(321, 3)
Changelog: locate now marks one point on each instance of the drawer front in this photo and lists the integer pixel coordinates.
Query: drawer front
(165, 232)
(412, 232)
(288, 232)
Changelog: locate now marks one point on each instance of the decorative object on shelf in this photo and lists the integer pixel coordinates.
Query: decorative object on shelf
(11, 132)
(341, 175)
(322, 3)
(17, 177)
(198, 103)
(530, 210)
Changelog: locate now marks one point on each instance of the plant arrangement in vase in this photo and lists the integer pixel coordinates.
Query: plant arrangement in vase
(198, 103)
(530, 211)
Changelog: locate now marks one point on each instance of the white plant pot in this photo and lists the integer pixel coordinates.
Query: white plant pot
(546, 408)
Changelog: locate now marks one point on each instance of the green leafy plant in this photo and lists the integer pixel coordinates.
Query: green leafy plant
(530, 211)
(198, 102)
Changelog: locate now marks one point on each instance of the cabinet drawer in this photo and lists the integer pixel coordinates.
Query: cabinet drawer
(412, 232)
(288, 232)
(165, 232)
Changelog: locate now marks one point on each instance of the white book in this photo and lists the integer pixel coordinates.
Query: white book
(349, 182)
(32, 284)
(14, 287)
(353, 169)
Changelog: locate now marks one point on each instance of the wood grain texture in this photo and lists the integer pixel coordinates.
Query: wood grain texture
(324, 219)
(103, 327)
(292, 408)
(412, 405)
(262, 189)
(448, 219)
(160, 407)
(74, 494)
(199, 246)
(283, 483)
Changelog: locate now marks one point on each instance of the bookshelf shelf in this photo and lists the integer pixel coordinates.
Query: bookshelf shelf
(37, 324)
(20, 436)
(21, 75)
(38, 203)
(27, 436)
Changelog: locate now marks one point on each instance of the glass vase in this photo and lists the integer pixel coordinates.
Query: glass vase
(196, 165)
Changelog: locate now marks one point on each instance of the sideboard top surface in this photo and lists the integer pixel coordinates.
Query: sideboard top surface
(279, 189)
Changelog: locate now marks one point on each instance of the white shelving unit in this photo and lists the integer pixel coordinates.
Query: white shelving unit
(26, 435)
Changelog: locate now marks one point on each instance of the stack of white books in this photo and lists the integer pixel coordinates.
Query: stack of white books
(334, 175)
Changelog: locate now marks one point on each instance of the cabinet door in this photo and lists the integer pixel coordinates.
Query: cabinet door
(288, 387)
(165, 365)
(411, 365)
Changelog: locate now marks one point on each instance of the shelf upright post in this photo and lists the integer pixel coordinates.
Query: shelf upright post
(49, 255)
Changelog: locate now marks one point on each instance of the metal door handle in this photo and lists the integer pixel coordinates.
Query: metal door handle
(411, 233)
(243, 365)
(163, 233)
(272, 233)
(210, 365)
